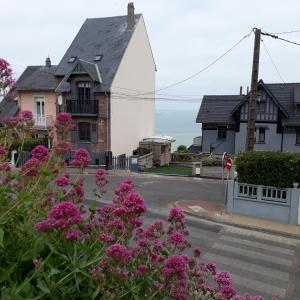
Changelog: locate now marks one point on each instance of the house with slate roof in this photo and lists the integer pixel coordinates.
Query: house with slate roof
(103, 80)
(224, 120)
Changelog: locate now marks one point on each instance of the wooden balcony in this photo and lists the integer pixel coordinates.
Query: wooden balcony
(86, 107)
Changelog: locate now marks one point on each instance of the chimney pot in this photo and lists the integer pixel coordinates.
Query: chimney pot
(241, 90)
(130, 16)
(247, 89)
(48, 62)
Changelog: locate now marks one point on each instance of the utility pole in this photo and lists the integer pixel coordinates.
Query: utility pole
(250, 139)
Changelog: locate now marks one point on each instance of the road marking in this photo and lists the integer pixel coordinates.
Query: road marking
(253, 254)
(257, 245)
(247, 266)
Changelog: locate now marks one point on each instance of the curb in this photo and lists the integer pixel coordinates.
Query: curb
(184, 176)
(243, 226)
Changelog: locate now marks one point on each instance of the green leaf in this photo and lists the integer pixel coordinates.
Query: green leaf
(1, 237)
(43, 286)
(96, 293)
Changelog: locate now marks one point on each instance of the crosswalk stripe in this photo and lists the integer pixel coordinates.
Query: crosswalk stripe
(247, 266)
(257, 245)
(253, 254)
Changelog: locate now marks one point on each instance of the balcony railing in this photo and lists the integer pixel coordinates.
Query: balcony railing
(82, 107)
(43, 121)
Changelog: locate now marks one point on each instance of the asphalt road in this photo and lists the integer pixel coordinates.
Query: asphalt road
(261, 264)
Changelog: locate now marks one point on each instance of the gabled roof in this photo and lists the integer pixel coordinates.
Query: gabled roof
(269, 92)
(218, 108)
(108, 37)
(86, 68)
(39, 78)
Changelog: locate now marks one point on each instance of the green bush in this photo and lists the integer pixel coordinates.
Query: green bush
(181, 149)
(268, 168)
(29, 143)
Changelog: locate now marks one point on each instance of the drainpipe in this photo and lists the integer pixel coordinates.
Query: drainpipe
(107, 129)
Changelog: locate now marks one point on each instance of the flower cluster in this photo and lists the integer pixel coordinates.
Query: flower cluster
(63, 216)
(81, 158)
(63, 124)
(40, 153)
(62, 147)
(101, 180)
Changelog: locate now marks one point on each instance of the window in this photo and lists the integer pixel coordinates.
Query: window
(98, 57)
(84, 129)
(222, 133)
(261, 135)
(298, 136)
(84, 91)
(261, 107)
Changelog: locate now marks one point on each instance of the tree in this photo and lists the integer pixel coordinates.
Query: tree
(7, 82)
(181, 149)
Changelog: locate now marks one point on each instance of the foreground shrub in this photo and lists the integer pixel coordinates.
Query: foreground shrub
(53, 247)
(268, 168)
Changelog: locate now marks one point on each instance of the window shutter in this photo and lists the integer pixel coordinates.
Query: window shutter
(74, 133)
(94, 133)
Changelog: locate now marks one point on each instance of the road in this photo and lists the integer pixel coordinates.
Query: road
(261, 263)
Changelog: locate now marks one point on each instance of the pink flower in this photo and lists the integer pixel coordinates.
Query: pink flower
(176, 214)
(81, 158)
(176, 265)
(223, 278)
(177, 238)
(40, 152)
(211, 267)
(5, 167)
(63, 124)
(62, 147)
(26, 114)
(3, 150)
(31, 167)
(143, 268)
(73, 234)
(197, 251)
(119, 252)
(62, 181)
(63, 117)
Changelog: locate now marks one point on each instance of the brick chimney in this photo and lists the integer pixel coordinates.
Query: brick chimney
(48, 62)
(130, 16)
(241, 90)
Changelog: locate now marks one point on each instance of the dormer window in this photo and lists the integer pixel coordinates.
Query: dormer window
(98, 57)
(72, 59)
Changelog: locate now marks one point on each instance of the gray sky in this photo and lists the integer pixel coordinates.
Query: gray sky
(185, 36)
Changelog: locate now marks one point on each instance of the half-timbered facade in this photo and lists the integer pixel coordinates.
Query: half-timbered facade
(277, 128)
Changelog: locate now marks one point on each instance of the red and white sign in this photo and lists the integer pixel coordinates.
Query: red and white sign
(228, 163)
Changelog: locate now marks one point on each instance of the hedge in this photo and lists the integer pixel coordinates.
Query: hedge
(268, 168)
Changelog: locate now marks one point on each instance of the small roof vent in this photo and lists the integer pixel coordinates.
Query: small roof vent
(72, 59)
(98, 57)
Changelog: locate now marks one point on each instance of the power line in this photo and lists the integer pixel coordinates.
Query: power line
(272, 60)
(279, 38)
(286, 32)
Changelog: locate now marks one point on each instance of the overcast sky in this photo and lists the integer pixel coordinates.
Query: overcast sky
(185, 35)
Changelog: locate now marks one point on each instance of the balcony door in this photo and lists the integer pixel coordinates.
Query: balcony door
(40, 119)
(84, 95)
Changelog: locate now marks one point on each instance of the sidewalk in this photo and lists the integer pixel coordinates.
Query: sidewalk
(218, 213)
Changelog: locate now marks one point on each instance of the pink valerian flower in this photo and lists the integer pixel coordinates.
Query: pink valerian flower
(31, 167)
(223, 278)
(62, 181)
(143, 268)
(97, 275)
(81, 158)
(134, 203)
(227, 292)
(197, 251)
(123, 190)
(119, 252)
(26, 114)
(177, 220)
(37, 263)
(11, 122)
(73, 234)
(176, 265)
(101, 177)
(61, 216)
(5, 167)
(177, 239)
(40, 152)
(63, 124)
(62, 147)
(211, 267)
(3, 150)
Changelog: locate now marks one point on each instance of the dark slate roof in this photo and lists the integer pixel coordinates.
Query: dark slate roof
(100, 36)
(8, 108)
(284, 93)
(37, 78)
(218, 108)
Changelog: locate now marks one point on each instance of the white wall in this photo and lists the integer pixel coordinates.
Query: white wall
(132, 119)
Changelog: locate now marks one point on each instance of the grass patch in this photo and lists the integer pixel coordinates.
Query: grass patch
(176, 170)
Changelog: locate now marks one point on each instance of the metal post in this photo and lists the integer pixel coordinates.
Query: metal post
(250, 139)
